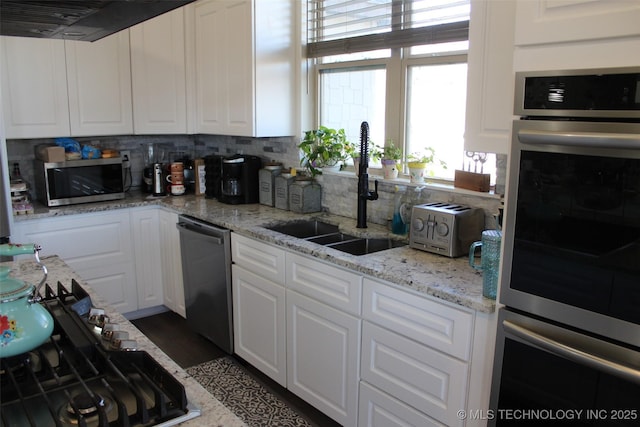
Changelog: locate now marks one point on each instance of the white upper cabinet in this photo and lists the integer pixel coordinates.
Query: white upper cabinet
(158, 73)
(490, 77)
(55, 88)
(555, 21)
(573, 34)
(99, 75)
(34, 87)
(244, 53)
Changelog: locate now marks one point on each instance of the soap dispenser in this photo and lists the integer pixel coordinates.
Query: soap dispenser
(398, 223)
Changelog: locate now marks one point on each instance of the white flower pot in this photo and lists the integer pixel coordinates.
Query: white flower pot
(417, 172)
(389, 168)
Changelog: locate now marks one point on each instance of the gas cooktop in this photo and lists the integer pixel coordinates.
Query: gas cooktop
(76, 379)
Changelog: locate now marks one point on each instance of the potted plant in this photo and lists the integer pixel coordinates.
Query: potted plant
(418, 162)
(323, 147)
(391, 156)
(375, 153)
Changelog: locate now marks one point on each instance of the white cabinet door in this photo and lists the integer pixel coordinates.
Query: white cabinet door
(171, 263)
(98, 246)
(423, 378)
(158, 72)
(99, 75)
(244, 55)
(146, 244)
(259, 327)
(116, 285)
(490, 77)
(576, 34)
(34, 87)
(323, 345)
(223, 34)
(544, 21)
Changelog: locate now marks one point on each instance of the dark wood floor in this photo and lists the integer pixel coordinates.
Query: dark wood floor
(170, 332)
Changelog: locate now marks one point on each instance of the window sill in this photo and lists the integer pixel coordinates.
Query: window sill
(430, 183)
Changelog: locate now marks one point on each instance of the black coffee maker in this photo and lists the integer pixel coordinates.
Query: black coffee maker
(240, 179)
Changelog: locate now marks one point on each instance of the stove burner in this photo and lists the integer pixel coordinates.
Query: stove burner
(85, 407)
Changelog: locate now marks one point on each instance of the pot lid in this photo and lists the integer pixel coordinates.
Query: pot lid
(11, 288)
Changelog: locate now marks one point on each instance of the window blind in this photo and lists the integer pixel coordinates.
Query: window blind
(347, 26)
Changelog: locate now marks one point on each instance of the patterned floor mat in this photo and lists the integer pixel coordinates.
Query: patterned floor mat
(238, 391)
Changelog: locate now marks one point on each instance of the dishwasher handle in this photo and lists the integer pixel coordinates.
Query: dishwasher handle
(184, 228)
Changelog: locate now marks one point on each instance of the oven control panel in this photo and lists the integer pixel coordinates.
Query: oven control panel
(445, 228)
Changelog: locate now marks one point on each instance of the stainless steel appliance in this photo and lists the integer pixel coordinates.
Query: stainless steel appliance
(445, 228)
(157, 180)
(79, 181)
(75, 379)
(240, 179)
(206, 270)
(569, 336)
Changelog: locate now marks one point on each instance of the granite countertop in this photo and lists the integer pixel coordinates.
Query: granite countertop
(449, 279)
(214, 413)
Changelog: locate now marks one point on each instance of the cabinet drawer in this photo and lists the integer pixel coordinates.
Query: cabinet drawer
(378, 409)
(439, 326)
(334, 286)
(423, 378)
(260, 258)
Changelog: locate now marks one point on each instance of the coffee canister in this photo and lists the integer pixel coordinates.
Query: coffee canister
(305, 196)
(266, 178)
(489, 262)
(282, 183)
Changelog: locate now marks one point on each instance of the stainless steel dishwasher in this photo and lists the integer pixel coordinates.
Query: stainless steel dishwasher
(206, 271)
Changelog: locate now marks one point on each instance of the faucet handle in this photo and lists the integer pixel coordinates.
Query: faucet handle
(374, 195)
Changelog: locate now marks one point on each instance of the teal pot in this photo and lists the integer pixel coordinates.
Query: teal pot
(24, 323)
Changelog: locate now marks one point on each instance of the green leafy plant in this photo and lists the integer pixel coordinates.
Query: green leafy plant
(426, 157)
(323, 147)
(391, 152)
(375, 151)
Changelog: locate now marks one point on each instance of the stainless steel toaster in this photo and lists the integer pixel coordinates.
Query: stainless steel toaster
(445, 228)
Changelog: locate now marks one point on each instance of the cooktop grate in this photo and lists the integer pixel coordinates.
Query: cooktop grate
(72, 379)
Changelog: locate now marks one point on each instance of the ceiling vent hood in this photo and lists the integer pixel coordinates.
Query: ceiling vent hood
(84, 20)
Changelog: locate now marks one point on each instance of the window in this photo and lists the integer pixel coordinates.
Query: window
(399, 65)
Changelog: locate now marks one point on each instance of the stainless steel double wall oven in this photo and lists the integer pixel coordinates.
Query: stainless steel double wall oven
(568, 340)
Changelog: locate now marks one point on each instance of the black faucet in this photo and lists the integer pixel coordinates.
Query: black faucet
(363, 178)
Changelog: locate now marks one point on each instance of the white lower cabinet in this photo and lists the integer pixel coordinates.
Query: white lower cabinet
(259, 327)
(98, 246)
(416, 352)
(414, 373)
(364, 352)
(128, 256)
(171, 263)
(146, 245)
(323, 345)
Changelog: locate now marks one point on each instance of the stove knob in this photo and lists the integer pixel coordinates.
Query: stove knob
(418, 224)
(442, 229)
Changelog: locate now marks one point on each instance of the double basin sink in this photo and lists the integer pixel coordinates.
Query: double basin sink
(329, 235)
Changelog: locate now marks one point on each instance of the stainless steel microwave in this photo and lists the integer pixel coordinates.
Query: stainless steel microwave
(79, 181)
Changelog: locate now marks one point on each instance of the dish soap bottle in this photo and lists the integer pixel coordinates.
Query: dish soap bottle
(398, 225)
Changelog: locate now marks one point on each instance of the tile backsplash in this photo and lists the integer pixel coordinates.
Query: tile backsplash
(339, 189)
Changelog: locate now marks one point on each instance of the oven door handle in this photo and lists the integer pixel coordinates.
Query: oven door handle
(580, 139)
(574, 354)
